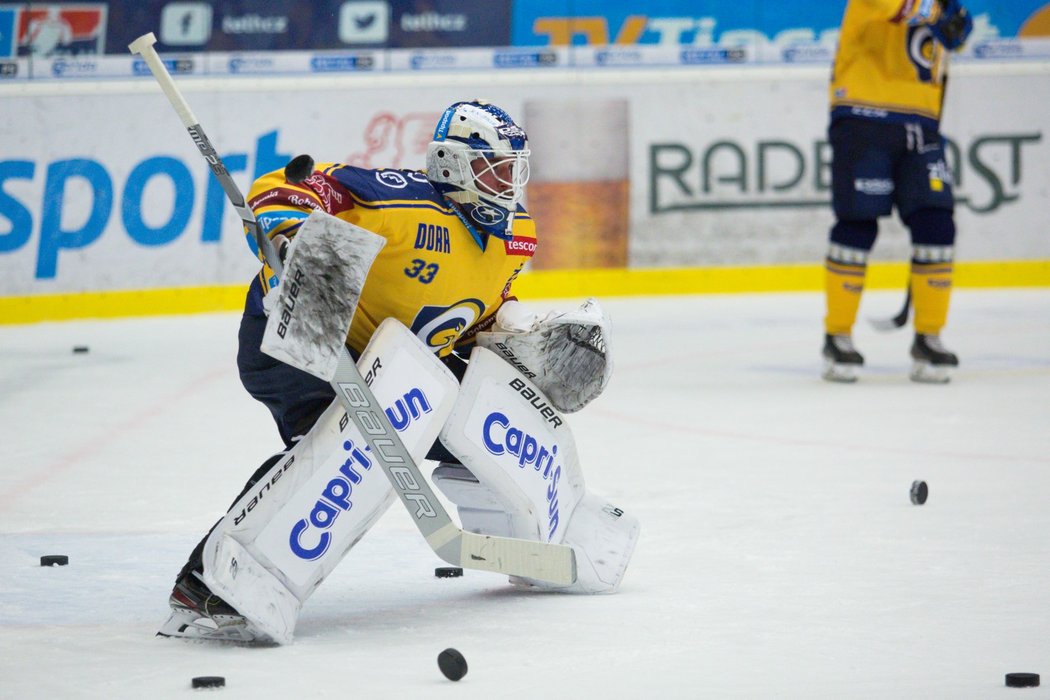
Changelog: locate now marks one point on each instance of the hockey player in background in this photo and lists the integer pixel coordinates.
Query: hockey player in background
(887, 91)
(456, 238)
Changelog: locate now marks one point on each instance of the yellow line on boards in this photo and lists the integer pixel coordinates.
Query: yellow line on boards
(121, 304)
(535, 284)
(778, 278)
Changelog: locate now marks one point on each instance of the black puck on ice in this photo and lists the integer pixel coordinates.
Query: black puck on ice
(452, 664)
(448, 571)
(54, 560)
(919, 492)
(1022, 680)
(208, 682)
(79, 349)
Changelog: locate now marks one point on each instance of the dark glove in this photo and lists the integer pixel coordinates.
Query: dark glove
(954, 25)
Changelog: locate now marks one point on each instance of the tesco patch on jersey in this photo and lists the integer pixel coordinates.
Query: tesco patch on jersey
(519, 245)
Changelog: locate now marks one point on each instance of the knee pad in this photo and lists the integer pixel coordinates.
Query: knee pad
(931, 227)
(858, 235)
(481, 510)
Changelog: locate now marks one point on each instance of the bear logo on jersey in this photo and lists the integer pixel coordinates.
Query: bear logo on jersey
(487, 214)
(392, 178)
(440, 327)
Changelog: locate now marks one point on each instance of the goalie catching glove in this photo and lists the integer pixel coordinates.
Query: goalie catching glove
(564, 353)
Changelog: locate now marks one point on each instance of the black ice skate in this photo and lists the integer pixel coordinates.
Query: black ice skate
(197, 613)
(931, 361)
(841, 359)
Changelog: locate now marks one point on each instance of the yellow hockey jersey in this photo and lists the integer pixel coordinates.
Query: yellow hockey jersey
(437, 274)
(885, 67)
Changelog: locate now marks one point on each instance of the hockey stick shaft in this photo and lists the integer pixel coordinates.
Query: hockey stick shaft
(144, 47)
(550, 562)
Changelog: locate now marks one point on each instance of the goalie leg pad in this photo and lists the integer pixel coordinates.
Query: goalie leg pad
(523, 456)
(603, 537)
(290, 530)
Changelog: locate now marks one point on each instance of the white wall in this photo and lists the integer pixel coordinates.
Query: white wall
(81, 211)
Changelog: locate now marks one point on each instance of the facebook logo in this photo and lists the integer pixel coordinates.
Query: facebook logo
(185, 23)
(364, 22)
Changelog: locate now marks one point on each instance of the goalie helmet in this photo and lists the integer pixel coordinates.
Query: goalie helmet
(479, 153)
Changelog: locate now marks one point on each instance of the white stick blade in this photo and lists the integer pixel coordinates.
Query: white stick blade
(539, 560)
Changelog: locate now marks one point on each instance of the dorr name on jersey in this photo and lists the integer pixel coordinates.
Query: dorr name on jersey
(525, 247)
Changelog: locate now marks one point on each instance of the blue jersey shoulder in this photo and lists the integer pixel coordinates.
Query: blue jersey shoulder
(386, 184)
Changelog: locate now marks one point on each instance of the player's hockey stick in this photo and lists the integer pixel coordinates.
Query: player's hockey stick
(898, 321)
(539, 560)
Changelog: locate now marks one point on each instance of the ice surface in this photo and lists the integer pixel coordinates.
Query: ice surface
(780, 556)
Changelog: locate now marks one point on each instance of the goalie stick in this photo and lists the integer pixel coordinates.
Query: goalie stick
(540, 560)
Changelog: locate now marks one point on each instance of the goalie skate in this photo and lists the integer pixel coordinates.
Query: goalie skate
(841, 359)
(196, 613)
(931, 361)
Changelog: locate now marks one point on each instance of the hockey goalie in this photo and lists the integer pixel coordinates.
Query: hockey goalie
(410, 274)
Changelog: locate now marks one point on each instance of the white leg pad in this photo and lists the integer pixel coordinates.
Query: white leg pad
(529, 481)
(261, 595)
(603, 537)
(289, 531)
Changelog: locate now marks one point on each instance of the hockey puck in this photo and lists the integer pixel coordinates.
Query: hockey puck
(919, 492)
(54, 560)
(1022, 680)
(80, 349)
(452, 664)
(208, 682)
(448, 572)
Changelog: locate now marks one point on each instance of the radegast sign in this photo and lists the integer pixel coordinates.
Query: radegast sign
(987, 172)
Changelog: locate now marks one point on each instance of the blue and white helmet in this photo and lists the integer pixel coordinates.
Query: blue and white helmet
(472, 131)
